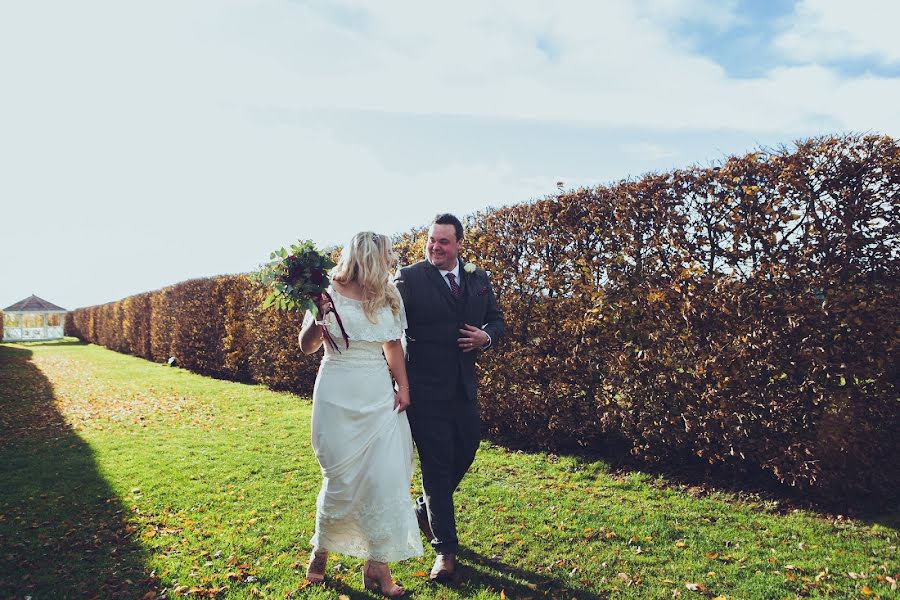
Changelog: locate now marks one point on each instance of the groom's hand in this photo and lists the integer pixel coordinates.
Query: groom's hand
(472, 338)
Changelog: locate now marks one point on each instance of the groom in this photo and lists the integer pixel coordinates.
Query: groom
(452, 316)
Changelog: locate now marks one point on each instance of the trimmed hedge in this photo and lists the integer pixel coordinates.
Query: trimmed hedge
(211, 326)
(744, 315)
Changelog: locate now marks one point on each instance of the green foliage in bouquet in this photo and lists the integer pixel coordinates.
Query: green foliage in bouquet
(296, 278)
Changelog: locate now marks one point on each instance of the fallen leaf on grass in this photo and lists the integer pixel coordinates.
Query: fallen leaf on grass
(697, 587)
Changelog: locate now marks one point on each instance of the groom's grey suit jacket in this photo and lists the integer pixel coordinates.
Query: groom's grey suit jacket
(434, 362)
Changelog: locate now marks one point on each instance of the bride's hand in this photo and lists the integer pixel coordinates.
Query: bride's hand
(401, 400)
(324, 306)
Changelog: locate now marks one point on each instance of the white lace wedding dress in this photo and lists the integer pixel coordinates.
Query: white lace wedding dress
(363, 445)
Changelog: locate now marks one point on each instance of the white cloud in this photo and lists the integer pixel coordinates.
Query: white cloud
(648, 150)
(720, 14)
(609, 63)
(615, 63)
(834, 30)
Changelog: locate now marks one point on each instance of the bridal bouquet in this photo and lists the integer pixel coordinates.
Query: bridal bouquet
(297, 280)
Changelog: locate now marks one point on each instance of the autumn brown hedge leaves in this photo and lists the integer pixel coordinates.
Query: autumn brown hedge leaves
(744, 315)
(211, 326)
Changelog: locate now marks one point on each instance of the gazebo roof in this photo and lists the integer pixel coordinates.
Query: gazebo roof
(33, 304)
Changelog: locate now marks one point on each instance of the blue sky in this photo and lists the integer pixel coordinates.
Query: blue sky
(145, 143)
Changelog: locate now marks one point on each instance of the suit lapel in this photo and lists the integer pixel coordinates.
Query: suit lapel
(435, 276)
(463, 284)
(465, 289)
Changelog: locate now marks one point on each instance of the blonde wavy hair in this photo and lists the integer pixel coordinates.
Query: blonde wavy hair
(367, 259)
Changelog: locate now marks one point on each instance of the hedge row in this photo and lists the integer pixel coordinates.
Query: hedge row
(211, 326)
(744, 315)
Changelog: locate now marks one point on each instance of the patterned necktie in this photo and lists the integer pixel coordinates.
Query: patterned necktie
(454, 287)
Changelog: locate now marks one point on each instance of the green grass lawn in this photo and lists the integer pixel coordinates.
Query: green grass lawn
(124, 478)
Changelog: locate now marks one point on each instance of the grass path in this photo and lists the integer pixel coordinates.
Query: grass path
(124, 478)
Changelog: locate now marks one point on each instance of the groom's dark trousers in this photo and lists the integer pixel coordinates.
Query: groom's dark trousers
(447, 446)
(444, 416)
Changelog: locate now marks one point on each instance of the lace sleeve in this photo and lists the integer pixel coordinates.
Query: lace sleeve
(307, 319)
(387, 325)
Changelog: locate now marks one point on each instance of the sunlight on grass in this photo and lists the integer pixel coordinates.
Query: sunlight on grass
(172, 481)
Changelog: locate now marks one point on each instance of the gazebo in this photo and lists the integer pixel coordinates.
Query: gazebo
(33, 319)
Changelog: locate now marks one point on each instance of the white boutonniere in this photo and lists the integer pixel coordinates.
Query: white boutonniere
(469, 267)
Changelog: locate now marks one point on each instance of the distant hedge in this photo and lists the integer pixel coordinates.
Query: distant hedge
(211, 326)
(745, 315)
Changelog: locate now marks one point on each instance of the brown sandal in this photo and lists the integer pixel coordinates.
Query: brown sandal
(377, 584)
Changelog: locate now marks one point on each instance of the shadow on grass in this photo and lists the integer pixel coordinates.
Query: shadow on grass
(698, 479)
(480, 570)
(63, 532)
(478, 573)
(63, 342)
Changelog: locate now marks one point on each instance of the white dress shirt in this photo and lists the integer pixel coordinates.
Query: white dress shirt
(455, 272)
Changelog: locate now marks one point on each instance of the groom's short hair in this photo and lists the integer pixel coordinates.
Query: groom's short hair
(448, 219)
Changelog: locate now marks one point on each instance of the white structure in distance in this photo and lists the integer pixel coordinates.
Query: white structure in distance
(33, 319)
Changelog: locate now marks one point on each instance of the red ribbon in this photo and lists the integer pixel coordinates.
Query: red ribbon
(326, 334)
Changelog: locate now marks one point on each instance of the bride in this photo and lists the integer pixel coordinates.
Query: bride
(360, 433)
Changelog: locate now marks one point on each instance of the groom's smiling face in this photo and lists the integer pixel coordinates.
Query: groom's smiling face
(442, 247)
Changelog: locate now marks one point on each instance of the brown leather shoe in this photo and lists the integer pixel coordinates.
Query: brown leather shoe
(422, 518)
(444, 568)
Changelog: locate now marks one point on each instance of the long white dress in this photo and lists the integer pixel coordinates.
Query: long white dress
(362, 443)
